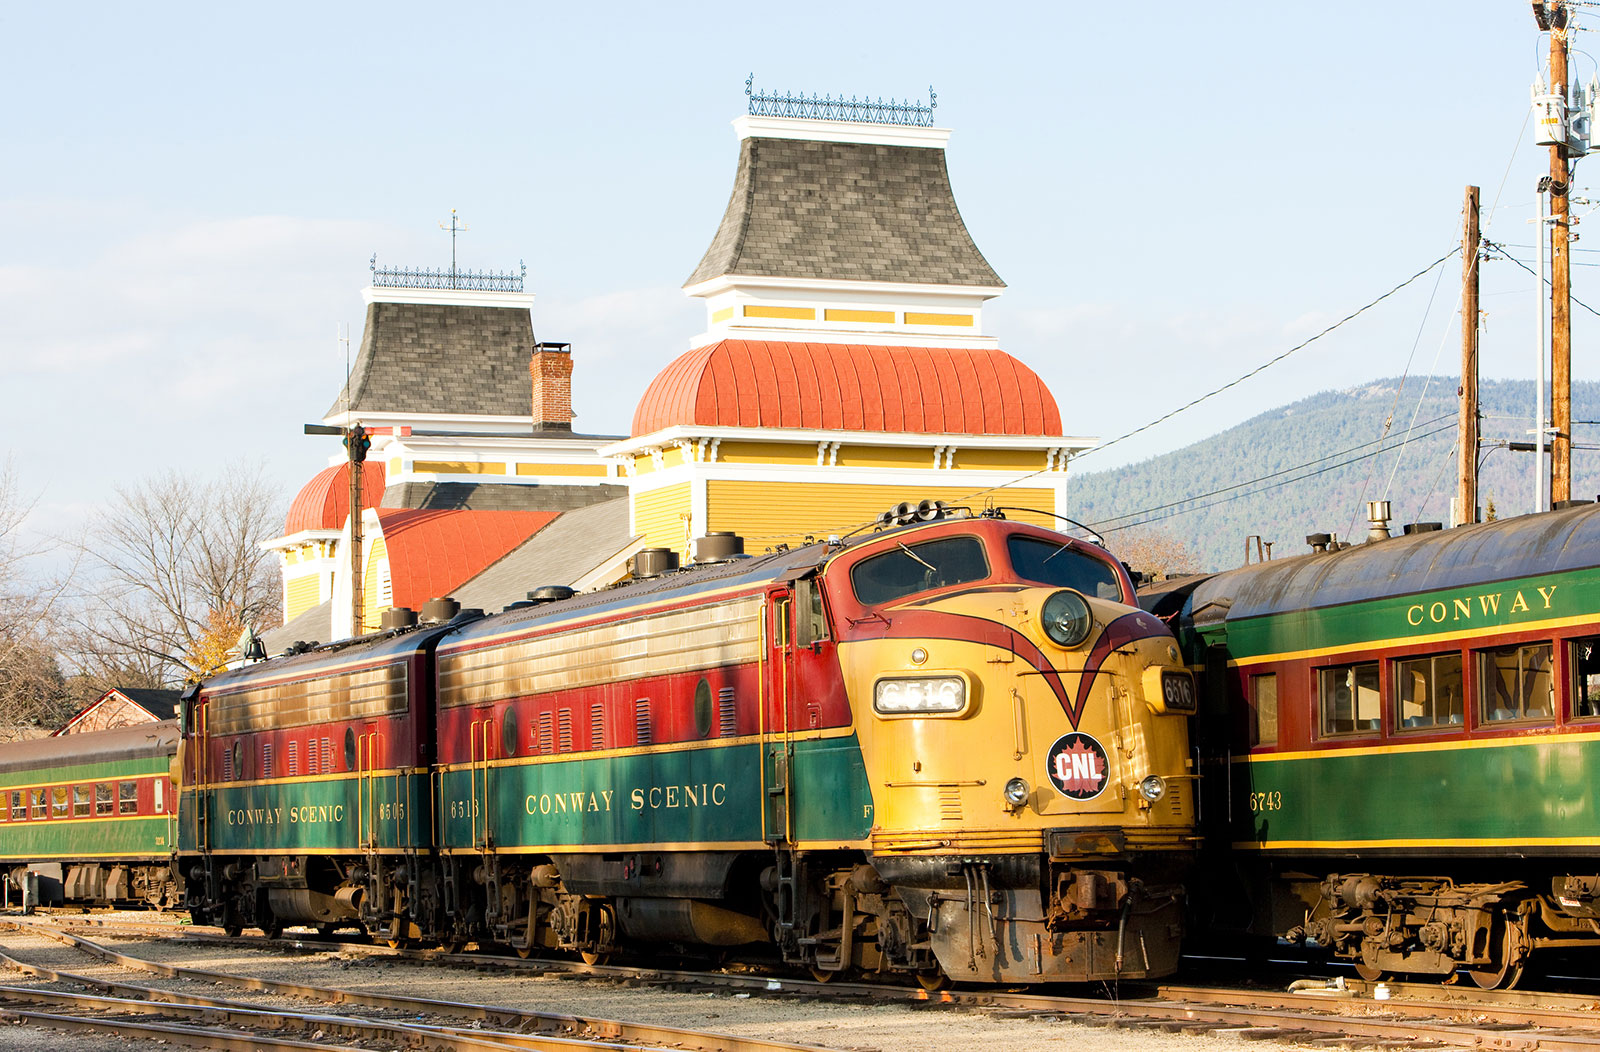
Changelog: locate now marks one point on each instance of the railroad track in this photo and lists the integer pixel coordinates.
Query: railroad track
(1416, 1015)
(249, 1026)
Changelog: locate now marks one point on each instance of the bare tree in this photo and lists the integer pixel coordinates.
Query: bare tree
(33, 691)
(1153, 551)
(173, 557)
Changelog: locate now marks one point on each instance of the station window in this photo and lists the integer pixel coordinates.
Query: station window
(1264, 709)
(128, 798)
(37, 803)
(103, 804)
(1427, 692)
(80, 801)
(1584, 657)
(59, 805)
(1349, 699)
(1514, 683)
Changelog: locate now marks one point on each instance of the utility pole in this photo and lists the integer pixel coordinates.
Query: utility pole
(1560, 278)
(1467, 492)
(455, 227)
(356, 444)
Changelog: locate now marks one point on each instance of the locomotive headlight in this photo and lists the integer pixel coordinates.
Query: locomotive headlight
(923, 694)
(1065, 617)
(1153, 788)
(1016, 792)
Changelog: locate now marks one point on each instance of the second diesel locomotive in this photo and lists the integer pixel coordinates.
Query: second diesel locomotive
(954, 749)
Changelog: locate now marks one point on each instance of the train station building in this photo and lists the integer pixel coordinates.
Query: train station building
(844, 367)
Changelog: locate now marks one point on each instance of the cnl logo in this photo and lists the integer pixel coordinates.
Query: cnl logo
(1077, 766)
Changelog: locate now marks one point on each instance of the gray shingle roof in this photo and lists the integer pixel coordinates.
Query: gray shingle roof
(430, 358)
(497, 496)
(312, 626)
(561, 553)
(844, 211)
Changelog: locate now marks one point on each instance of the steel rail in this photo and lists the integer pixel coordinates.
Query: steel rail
(522, 1019)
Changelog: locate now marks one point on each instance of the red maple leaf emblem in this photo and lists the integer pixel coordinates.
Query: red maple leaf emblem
(1079, 769)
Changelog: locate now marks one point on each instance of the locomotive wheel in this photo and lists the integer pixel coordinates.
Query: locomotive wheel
(527, 951)
(933, 981)
(593, 958)
(232, 929)
(1369, 972)
(823, 976)
(1501, 973)
(273, 928)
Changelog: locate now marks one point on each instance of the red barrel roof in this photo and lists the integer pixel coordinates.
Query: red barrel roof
(324, 502)
(849, 387)
(433, 550)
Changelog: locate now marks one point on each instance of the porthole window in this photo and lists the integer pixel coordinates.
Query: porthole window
(238, 758)
(508, 733)
(702, 708)
(349, 748)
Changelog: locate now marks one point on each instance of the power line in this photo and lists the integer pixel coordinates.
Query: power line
(1276, 485)
(1508, 256)
(1271, 362)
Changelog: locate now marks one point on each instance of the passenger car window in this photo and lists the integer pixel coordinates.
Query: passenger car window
(910, 569)
(59, 807)
(1514, 683)
(1348, 698)
(128, 798)
(102, 799)
(1264, 709)
(1427, 692)
(1584, 660)
(1036, 559)
(80, 801)
(36, 803)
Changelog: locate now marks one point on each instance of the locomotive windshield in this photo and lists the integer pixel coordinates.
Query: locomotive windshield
(914, 568)
(1036, 559)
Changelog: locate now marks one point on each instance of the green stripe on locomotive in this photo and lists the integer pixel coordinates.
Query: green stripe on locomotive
(316, 816)
(704, 796)
(1523, 794)
(130, 836)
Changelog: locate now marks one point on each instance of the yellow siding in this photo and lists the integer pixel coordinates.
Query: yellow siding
(721, 315)
(371, 579)
(795, 313)
(302, 594)
(1019, 460)
(658, 515)
(767, 453)
(562, 469)
(834, 314)
(886, 456)
(449, 467)
(914, 318)
(394, 465)
(765, 513)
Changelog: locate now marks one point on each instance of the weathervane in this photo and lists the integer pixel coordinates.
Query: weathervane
(455, 227)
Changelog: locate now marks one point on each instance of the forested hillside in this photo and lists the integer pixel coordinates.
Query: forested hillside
(1310, 467)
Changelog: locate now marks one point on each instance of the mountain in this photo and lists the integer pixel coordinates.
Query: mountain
(1309, 467)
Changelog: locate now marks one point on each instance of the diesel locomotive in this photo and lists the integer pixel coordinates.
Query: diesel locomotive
(955, 748)
(1401, 746)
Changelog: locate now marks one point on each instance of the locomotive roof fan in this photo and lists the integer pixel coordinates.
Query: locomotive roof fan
(397, 617)
(438, 611)
(718, 547)
(653, 562)
(550, 593)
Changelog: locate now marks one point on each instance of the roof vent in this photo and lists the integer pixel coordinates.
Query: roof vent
(397, 617)
(1377, 520)
(518, 605)
(653, 562)
(1421, 527)
(550, 593)
(1319, 541)
(1563, 505)
(435, 611)
(718, 547)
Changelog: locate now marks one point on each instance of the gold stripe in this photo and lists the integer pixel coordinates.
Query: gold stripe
(643, 845)
(586, 755)
(451, 467)
(1411, 842)
(916, 318)
(343, 776)
(1443, 640)
(652, 645)
(794, 313)
(832, 314)
(1398, 747)
(159, 816)
(721, 315)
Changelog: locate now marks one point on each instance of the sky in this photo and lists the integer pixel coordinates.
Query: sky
(1175, 193)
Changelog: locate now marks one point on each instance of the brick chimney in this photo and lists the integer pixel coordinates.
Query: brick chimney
(551, 370)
